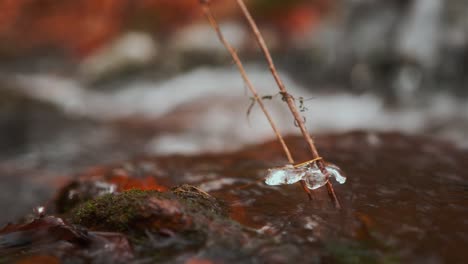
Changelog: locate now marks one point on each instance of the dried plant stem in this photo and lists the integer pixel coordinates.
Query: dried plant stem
(235, 57)
(289, 99)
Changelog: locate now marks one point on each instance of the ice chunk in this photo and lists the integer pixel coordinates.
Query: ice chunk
(314, 178)
(336, 172)
(284, 175)
(310, 173)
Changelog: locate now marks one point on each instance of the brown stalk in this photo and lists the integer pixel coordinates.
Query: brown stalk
(207, 11)
(289, 99)
(235, 57)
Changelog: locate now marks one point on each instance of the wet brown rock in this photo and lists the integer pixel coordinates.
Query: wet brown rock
(199, 200)
(51, 239)
(41, 230)
(404, 202)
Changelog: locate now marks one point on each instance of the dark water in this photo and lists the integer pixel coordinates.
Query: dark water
(405, 201)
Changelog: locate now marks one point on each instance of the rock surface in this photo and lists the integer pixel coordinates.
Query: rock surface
(404, 202)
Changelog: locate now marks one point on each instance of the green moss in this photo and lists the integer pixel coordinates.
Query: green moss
(186, 211)
(137, 209)
(111, 212)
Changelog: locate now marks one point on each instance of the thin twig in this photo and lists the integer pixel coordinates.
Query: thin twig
(289, 99)
(235, 57)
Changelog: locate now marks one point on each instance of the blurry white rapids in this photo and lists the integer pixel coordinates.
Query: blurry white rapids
(310, 173)
(205, 109)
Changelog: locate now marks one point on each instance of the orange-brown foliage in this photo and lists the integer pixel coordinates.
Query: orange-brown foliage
(80, 27)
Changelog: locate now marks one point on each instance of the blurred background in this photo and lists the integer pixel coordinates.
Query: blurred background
(88, 82)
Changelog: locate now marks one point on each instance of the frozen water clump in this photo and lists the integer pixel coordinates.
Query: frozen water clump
(314, 178)
(336, 172)
(284, 175)
(310, 173)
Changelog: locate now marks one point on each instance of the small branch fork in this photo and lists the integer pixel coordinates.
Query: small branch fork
(289, 99)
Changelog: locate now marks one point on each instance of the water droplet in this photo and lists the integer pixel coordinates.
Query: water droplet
(39, 211)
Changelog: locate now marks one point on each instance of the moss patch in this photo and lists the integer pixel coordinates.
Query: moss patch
(159, 224)
(112, 212)
(182, 209)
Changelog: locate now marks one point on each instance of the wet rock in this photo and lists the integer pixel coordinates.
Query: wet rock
(156, 226)
(161, 225)
(199, 200)
(183, 219)
(404, 202)
(50, 239)
(33, 232)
